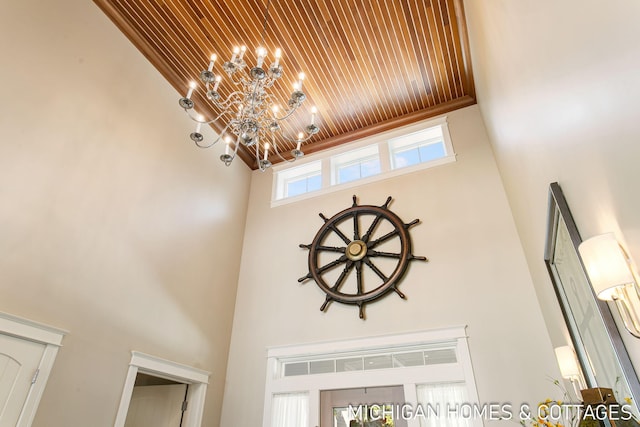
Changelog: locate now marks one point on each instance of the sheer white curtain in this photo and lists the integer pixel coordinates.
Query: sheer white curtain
(445, 398)
(290, 410)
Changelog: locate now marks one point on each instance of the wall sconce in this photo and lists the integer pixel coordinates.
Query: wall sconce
(609, 271)
(569, 367)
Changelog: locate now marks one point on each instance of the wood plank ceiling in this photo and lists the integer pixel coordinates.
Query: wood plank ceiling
(371, 65)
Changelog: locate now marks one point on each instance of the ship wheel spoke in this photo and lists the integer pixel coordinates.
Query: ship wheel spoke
(332, 226)
(356, 227)
(371, 228)
(373, 253)
(347, 267)
(376, 270)
(344, 238)
(359, 278)
(382, 239)
(339, 249)
(331, 265)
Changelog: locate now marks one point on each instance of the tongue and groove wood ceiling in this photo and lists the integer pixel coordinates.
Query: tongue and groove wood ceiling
(370, 65)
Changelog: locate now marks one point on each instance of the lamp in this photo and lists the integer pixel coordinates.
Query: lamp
(609, 271)
(252, 116)
(569, 367)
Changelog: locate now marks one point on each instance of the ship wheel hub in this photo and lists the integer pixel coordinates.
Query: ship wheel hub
(356, 250)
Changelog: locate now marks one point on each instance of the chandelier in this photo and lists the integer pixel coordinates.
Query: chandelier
(250, 116)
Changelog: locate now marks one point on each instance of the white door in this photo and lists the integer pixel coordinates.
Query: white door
(19, 360)
(156, 406)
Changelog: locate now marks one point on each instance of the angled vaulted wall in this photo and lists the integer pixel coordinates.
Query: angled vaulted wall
(476, 276)
(113, 225)
(558, 87)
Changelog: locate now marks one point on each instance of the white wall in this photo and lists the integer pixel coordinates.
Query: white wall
(112, 224)
(558, 86)
(477, 276)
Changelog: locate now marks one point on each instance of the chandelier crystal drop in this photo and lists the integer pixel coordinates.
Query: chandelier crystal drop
(249, 115)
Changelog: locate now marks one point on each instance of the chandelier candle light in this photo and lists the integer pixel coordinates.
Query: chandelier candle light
(253, 118)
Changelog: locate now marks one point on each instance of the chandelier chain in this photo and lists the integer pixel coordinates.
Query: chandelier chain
(264, 24)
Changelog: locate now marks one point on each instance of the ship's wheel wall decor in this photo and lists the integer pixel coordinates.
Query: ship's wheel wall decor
(360, 254)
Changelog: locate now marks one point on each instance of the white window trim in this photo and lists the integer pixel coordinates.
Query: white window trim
(337, 166)
(281, 180)
(52, 339)
(155, 366)
(409, 376)
(357, 156)
(386, 172)
(304, 177)
(409, 147)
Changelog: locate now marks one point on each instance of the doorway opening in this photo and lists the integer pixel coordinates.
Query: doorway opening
(170, 393)
(362, 407)
(427, 365)
(156, 401)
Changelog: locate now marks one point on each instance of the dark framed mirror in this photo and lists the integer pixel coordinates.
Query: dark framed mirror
(601, 353)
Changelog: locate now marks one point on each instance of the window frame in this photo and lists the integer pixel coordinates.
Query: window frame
(357, 156)
(399, 145)
(409, 377)
(325, 158)
(297, 178)
(288, 175)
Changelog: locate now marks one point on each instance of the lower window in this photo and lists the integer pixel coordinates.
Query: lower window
(290, 409)
(428, 375)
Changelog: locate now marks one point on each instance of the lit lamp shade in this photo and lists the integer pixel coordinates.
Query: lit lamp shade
(567, 362)
(606, 265)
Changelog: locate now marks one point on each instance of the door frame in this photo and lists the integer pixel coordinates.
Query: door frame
(409, 377)
(46, 335)
(197, 379)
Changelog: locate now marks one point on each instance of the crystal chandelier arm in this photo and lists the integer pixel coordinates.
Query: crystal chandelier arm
(241, 79)
(264, 163)
(219, 116)
(235, 148)
(215, 141)
(227, 158)
(236, 145)
(295, 140)
(196, 119)
(294, 103)
(304, 138)
(288, 113)
(257, 147)
(269, 82)
(233, 98)
(275, 148)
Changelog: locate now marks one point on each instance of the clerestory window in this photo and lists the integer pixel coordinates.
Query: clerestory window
(400, 151)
